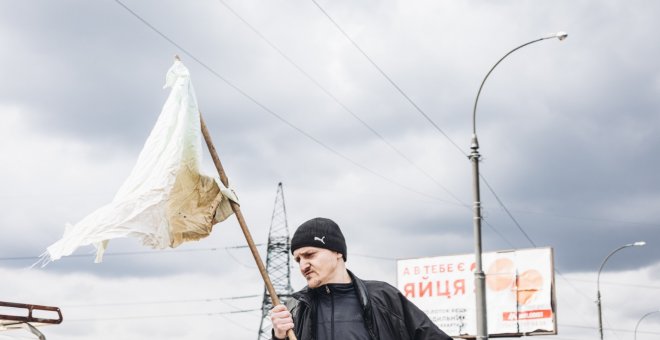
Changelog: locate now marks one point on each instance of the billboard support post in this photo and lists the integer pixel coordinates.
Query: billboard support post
(479, 277)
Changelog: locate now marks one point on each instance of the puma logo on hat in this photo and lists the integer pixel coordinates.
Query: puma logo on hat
(307, 236)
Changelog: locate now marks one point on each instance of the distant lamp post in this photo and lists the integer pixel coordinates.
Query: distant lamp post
(479, 276)
(600, 313)
(642, 318)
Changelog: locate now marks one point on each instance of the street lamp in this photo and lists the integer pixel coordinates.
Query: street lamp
(600, 314)
(642, 318)
(479, 276)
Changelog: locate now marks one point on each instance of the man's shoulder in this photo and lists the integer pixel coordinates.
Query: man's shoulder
(382, 293)
(303, 291)
(296, 297)
(375, 285)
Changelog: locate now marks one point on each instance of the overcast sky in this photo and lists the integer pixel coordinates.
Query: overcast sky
(568, 132)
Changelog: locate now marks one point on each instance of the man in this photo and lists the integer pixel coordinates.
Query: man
(337, 305)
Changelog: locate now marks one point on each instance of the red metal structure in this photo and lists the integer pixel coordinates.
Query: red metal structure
(21, 315)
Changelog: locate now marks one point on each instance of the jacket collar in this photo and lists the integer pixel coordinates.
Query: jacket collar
(305, 296)
(361, 290)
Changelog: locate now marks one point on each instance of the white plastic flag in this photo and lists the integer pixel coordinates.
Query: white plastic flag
(165, 201)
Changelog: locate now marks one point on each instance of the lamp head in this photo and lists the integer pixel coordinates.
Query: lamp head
(639, 243)
(561, 35)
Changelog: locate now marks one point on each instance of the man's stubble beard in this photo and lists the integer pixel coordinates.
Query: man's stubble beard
(314, 283)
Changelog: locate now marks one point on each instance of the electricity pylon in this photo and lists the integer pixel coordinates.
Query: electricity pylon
(277, 262)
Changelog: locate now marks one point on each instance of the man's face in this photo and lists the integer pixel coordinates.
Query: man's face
(318, 265)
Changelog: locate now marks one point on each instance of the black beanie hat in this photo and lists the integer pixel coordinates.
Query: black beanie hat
(319, 232)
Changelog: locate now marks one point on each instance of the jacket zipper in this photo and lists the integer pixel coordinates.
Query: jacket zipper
(332, 313)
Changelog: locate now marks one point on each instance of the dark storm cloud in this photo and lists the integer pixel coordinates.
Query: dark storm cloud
(589, 161)
(576, 142)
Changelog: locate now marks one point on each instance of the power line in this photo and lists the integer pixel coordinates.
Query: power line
(340, 103)
(236, 323)
(557, 271)
(130, 253)
(581, 293)
(592, 219)
(492, 227)
(273, 113)
(365, 124)
(157, 302)
(572, 285)
(398, 88)
(388, 78)
(497, 198)
(610, 329)
(16, 336)
(137, 317)
(246, 265)
(619, 284)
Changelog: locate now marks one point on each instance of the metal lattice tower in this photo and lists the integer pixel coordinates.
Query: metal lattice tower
(277, 262)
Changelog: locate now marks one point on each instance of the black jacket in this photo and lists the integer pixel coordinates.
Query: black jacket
(388, 315)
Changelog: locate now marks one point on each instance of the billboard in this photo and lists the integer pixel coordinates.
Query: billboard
(520, 291)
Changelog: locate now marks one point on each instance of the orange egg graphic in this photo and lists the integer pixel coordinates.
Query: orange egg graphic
(529, 283)
(500, 274)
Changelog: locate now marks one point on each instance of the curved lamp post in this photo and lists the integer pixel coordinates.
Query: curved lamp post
(600, 314)
(479, 276)
(642, 318)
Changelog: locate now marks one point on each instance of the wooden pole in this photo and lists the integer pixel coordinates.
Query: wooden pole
(237, 211)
